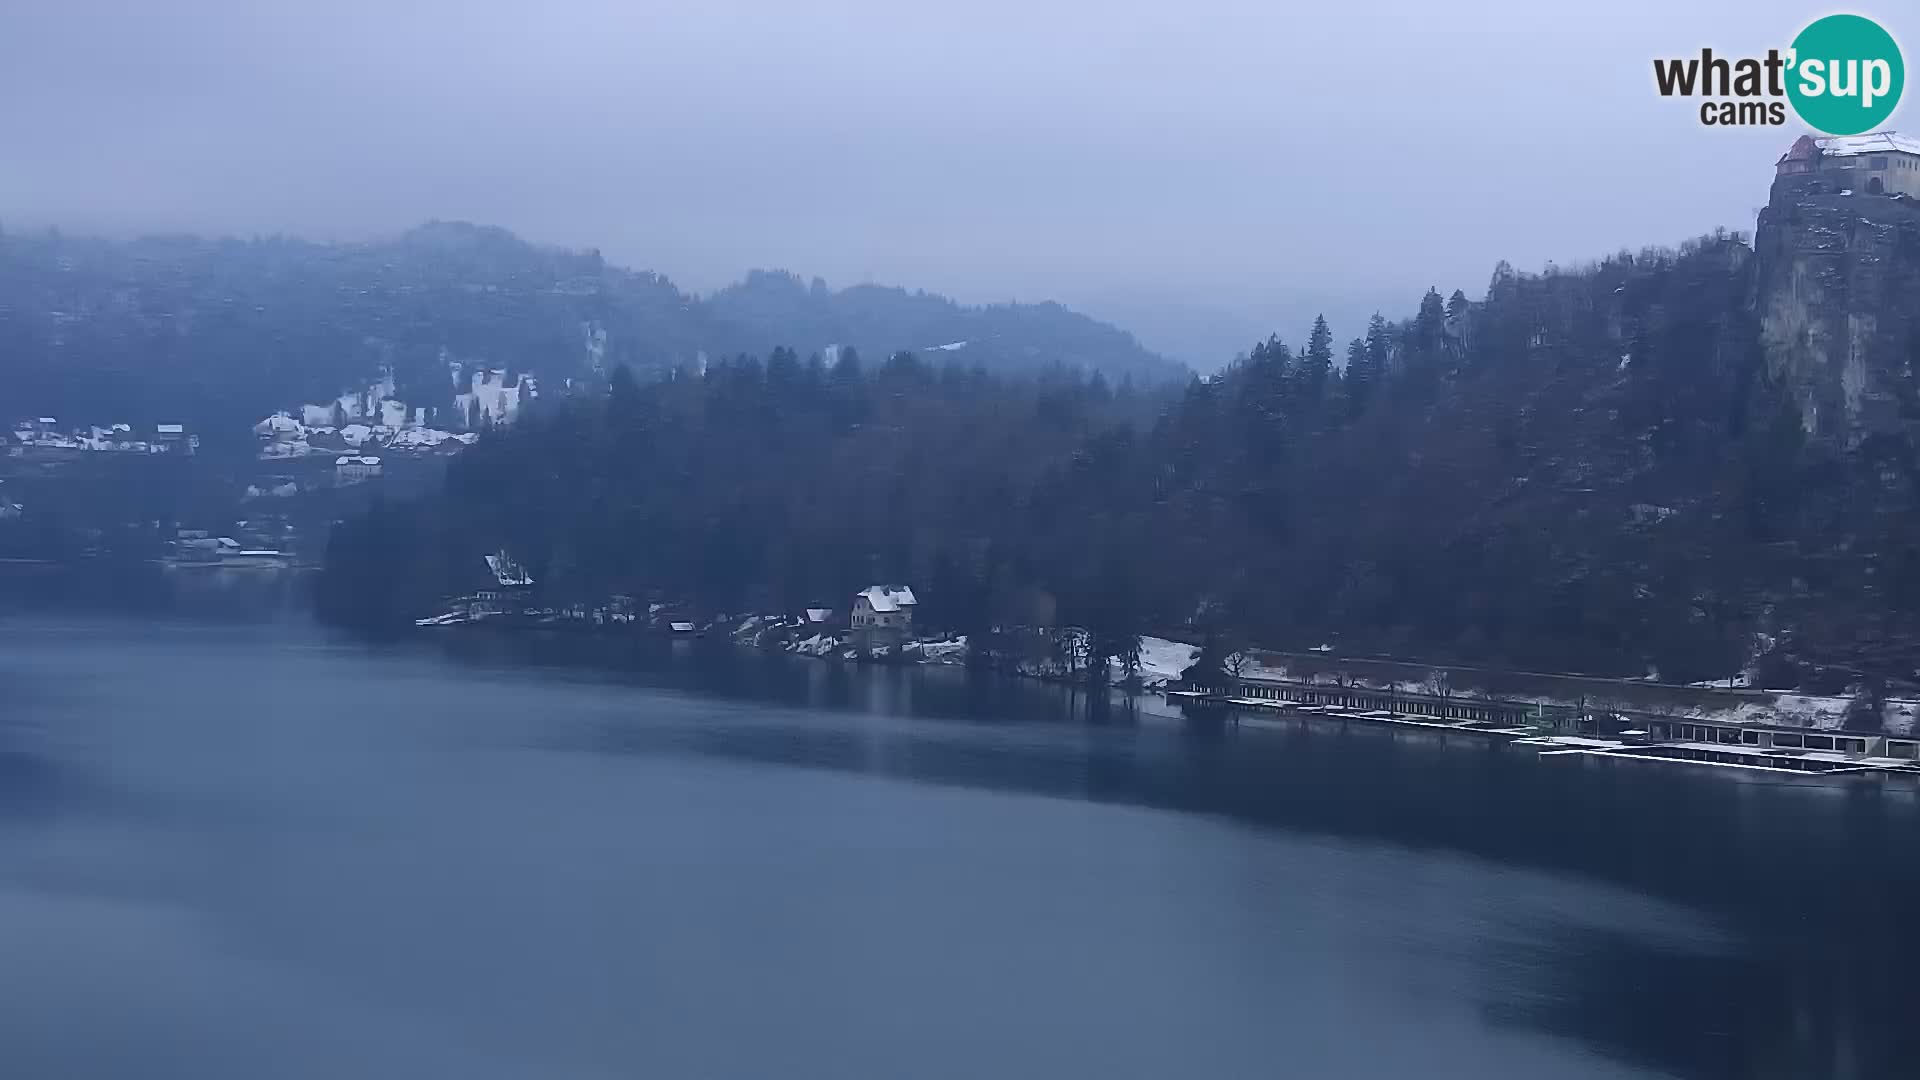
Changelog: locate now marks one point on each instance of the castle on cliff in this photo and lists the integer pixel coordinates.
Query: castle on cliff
(1880, 163)
(1838, 268)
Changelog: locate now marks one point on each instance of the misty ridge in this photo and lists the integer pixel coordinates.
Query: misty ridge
(218, 332)
(1598, 469)
(1602, 469)
(871, 540)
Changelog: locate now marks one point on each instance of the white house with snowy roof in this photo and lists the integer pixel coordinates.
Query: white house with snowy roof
(280, 427)
(353, 468)
(174, 438)
(882, 615)
(1878, 163)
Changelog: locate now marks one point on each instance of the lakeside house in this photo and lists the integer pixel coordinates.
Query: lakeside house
(199, 548)
(481, 604)
(882, 615)
(43, 437)
(174, 439)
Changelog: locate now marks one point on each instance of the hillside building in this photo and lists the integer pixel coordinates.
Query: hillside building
(882, 615)
(1881, 163)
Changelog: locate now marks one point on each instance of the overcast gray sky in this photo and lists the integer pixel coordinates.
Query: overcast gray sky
(1198, 171)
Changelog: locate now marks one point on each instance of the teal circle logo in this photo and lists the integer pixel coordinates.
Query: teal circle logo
(1846, 75)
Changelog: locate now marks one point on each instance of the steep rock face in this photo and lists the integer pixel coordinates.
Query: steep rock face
(1838, 296)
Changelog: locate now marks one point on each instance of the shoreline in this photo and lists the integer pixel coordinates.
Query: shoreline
(1163, 662)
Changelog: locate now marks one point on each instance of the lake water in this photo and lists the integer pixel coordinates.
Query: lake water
(249, 849)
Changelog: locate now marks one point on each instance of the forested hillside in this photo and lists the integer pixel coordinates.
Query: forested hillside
(776, 309)
(216, 333)
(1584, 470)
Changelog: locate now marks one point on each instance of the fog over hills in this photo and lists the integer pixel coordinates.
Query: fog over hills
(219, 331)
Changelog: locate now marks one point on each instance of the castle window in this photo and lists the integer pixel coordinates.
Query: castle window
(1877, 163)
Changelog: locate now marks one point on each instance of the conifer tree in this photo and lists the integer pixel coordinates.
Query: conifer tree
(1379, 347)
(1428, 323)
(1317, 362)
(1359, 377)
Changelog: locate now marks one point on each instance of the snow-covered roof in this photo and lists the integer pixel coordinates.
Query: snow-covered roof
(1877, 142)
(888, 597)
(48, 420)
(170, 429)
(819, 614)
(508, 572)
(350, 460)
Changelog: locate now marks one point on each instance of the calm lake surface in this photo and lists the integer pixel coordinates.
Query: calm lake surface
(239, 849)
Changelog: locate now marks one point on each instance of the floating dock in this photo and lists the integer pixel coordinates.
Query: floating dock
(1560, 732)
(1271, 710)
(1779, 761)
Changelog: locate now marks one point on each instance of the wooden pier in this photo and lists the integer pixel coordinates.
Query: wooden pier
(1565, 732)
(1389, 706)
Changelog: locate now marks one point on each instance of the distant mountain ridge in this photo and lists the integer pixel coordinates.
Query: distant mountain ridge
(217, 331)
(778, 308)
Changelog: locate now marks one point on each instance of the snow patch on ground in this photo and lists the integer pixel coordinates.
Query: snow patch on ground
(282, 436)
(951, 651)
(817, 645)
(1792, 710)
(1162, 660)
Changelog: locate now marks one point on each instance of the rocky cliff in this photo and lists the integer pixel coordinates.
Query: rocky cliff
(1838, 296)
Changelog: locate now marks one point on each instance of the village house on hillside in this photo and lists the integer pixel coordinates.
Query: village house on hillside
(43, 436)
(352, 470)
(882, 615)
(174, 438)
(1881, 163)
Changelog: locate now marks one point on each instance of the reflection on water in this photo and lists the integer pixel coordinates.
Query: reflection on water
(149, 589)
(548, 856)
